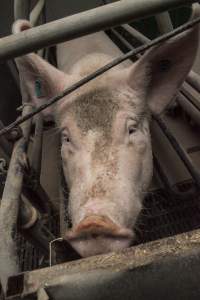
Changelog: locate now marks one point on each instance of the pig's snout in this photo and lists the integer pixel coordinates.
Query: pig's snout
(98, 234)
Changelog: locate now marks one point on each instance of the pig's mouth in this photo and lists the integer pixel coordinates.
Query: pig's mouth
(94, 227)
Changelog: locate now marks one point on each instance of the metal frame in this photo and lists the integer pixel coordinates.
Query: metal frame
(83, 23)
(45, 35)
(156, 270)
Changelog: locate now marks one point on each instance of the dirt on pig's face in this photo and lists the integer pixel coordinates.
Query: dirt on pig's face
(107, 163)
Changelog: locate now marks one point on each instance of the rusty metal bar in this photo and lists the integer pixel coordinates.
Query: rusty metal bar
(10, 203)
(36, 12)
(81, 24)
(148, 269)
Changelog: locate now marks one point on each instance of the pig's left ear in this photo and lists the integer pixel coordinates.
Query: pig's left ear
(39, 80)
(160, 72)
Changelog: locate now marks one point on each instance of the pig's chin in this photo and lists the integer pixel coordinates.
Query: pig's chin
(99, 245)
(97, 235)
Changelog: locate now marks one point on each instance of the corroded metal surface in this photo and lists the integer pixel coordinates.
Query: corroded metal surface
(181, 250)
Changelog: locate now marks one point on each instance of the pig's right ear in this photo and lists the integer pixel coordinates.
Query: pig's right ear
(39, 81)
(159, 73)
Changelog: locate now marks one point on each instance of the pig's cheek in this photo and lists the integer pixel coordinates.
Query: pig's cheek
(141, 147)
(67, 163)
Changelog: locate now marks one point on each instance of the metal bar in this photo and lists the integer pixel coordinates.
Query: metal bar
(101, 71)
(191, 94)
(181, 152)
(34, 192)
(21, 9)
(164, 22)
(39, 235)
(178, 148)
(10, 203)
(147, 271)
(81, 24)
(122, 39)
(194, 79)
(38, 197)
(14, 72)
(37, 149)
(136, 34)
(5, 145)
(36, 12)
(192, 111)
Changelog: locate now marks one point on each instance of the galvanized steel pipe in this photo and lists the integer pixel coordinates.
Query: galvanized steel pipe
(36, 12)
(164, 22)
(10, 204)
(21, 9)
(83, 23)
(194, 80)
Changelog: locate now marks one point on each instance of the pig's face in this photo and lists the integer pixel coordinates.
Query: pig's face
(106, 148)
(106, 155)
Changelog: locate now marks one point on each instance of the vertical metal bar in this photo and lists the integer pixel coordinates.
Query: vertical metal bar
(181, 152)
(21, 9)
(36, 12)
(136, 34)
(4, 144)
(10, 203)
(194, 80)
(37, 148)
(86, 22)
(164, 22)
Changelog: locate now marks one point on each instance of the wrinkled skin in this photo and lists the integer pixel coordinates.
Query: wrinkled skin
(106, 144)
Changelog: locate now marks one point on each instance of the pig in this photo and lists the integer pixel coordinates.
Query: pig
(106, 147)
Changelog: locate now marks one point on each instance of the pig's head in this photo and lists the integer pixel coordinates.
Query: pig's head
(106, 145)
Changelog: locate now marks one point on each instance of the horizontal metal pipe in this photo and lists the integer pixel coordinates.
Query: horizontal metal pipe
(101, 71)
(10, 204)
(83, 23)
(136, 34)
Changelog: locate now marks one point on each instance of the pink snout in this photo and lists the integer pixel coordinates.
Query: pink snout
(98, 234)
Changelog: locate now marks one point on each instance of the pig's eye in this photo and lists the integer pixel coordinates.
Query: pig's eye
(65, 138)
(132, 129)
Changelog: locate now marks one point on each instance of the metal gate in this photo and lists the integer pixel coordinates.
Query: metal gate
(165, 254)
